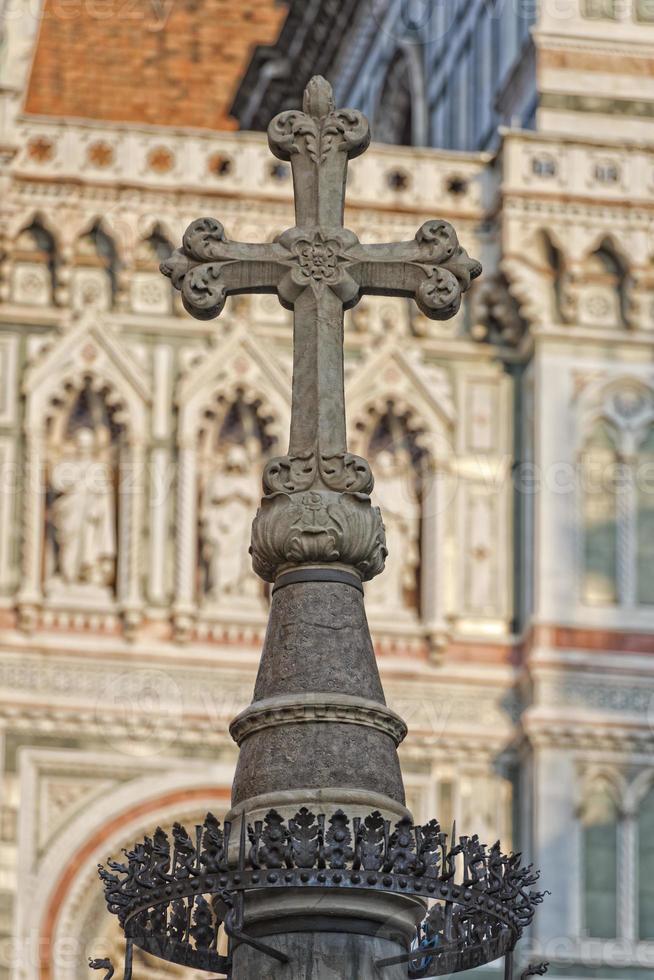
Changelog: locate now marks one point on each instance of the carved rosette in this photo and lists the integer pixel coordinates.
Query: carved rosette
(318, 261)
(317, 527)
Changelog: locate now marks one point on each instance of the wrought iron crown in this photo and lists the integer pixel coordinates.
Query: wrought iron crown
(172, 897)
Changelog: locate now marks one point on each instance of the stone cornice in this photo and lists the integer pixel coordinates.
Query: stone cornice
(552, 41)
(302, 708)
(589, 737)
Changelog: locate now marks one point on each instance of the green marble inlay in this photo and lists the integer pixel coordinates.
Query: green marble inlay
(597, 103)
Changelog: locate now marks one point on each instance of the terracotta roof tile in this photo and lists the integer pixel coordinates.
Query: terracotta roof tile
(175, 62)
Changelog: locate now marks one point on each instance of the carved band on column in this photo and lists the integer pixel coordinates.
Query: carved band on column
(295, 709)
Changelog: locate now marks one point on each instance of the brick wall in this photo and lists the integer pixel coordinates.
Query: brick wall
(175, 62)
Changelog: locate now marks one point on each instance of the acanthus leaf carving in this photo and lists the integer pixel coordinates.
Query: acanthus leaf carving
(317, 526)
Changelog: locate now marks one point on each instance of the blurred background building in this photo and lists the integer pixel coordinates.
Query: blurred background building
(513, 446)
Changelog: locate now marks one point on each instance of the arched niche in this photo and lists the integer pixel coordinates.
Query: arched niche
(235, 437)
(84, 444)
(401, 416)
(617, 493)
(551, 263)
(538, 278)
(400, 117)
(94, 276)
(602, 289)
(33, 265)
(86, 431)
(233, 408)
(151, 293)
(391, 442)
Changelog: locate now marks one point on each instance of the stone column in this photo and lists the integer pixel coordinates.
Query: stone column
(318, 733)
(30, 595)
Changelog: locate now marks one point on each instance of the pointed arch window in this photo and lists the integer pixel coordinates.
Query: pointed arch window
(599, 467)
(600, 820)
(603, 293)
(394, 116)
(34, 266)
(150, 291)
(95, 277)
(617, 480)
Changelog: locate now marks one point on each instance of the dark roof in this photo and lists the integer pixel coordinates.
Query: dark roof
(309, 44)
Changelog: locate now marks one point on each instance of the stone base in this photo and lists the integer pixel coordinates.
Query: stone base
(320, 956)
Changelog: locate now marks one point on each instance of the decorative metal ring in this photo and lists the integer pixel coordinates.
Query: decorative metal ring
(318, 574)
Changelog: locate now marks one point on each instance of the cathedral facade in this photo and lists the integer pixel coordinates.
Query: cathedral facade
(512, 447)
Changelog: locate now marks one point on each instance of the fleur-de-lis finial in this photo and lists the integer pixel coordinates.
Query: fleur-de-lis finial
(318, 100)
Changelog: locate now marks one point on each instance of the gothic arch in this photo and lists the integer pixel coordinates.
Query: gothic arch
(626, 402)
(420, 397)
(237, 372)
(536, 277)
(88, 355)
(615, 442)
(69, 889)
(96, 268)
(22, 220)
(150, 292)
(400, 115)
(423, 392)
(32, 260)
(603, 777)
(638, 790)
(153, 246)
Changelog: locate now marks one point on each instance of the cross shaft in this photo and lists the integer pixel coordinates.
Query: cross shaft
(318, 269)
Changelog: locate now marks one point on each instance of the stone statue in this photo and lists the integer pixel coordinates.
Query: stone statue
(83, 514)
(401, 512)
(229, 502)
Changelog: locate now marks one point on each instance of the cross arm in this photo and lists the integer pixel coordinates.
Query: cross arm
(208, 268)
(433, 269)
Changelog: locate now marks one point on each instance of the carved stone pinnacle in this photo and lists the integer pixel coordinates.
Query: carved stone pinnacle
(316, 506)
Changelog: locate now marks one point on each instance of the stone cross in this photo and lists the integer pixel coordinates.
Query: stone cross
(316, 507)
